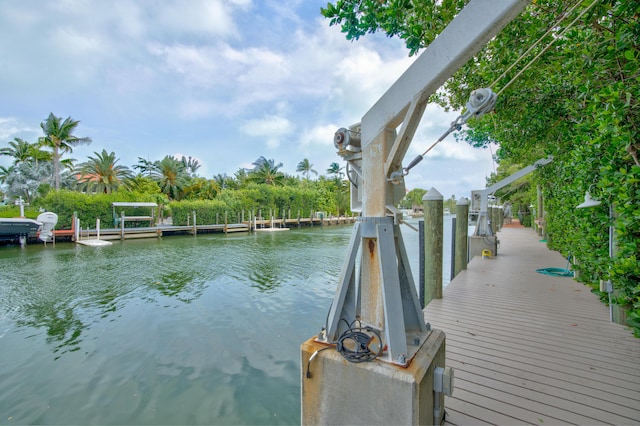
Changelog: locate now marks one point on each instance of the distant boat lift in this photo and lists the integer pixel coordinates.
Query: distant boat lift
(270, 229)
(97, 242)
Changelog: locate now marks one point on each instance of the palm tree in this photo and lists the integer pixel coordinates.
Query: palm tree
(5, 172)
(201, 189)
(266, 171)
(144, 166)
(171, 175)
(222, 180)
(60, 138)
(23, 151)
(18, 149)
(101, 174)
(335, 170)
(191, 165)
(306, 167)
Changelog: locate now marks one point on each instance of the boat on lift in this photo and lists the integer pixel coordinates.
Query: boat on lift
(18, 228)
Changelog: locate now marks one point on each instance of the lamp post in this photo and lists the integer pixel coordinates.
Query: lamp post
(589, 202)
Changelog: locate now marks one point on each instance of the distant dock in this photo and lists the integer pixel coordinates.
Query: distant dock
(168, 230)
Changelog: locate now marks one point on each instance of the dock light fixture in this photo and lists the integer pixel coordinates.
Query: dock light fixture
(589, 201)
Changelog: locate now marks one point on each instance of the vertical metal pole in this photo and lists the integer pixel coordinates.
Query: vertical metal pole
(453, 249)
(374, 199)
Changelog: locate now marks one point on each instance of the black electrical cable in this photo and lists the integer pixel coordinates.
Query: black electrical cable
(349, 176)
(354, 344)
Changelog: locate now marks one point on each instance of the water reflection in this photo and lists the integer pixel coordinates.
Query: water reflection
(264, 275)
(63, 327)
(181, 285)
(106, 299)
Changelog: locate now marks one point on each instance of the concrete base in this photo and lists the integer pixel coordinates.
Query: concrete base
(370, 393)
(477, 244)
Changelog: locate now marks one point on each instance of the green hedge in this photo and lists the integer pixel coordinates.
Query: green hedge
(207, 211)
(14, 211)
(278, 200)
(92, 206)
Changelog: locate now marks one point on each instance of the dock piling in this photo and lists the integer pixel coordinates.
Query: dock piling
(433, 242)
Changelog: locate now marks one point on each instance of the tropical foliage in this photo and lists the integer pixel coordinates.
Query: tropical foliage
(568, 74)
(170, 181)
(102, 174)
(305, 167)
(266, 171)
(22, 151)
(59, 136)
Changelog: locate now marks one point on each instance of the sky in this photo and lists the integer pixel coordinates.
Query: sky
(223, 81)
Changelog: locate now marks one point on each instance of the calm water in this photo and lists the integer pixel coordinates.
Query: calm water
(198, 330)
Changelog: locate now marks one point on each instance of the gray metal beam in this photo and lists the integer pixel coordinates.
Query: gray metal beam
(474, 26)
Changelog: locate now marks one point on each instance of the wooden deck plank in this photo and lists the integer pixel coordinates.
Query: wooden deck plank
(573, 359)
(533, 348)
(542, 390)
(477, 323)
(524, 375)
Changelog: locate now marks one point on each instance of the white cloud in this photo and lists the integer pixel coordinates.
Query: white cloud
(76, 43)
(11, 127)
(209, 17)
(197, 65)
(271, 128)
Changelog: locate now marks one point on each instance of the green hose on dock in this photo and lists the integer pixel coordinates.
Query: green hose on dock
(557, 272)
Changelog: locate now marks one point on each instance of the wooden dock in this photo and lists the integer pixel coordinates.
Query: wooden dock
(529, 348)
(166, 230)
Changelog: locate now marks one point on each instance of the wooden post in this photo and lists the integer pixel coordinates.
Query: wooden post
(462, 238)
(122, 225)
(433, 242)
(226, 222)
(492, 218)
(195, 228)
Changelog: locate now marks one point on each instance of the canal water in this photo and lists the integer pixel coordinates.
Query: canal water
(180, 330)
